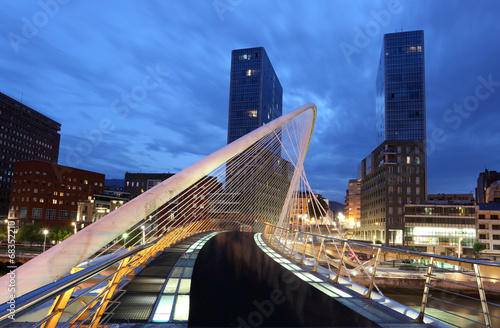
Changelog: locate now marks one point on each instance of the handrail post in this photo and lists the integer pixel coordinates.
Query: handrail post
(420, 318)
(279, 238)
(372, 280)
(286, 239)
(294, 241)
(319, 254)
(482, 296)
(303, 252)
(341, 264)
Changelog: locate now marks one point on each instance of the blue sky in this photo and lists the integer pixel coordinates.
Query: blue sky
(143, 86)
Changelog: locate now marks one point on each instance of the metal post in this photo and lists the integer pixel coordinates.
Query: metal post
(286, 239)
(279, 238)
(319, 254)
(420, 317)
(372, 280)
(341, 264)
(304, 251)
(293, 245)
(482, 296)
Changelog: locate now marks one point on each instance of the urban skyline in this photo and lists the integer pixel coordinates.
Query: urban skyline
(169, 90)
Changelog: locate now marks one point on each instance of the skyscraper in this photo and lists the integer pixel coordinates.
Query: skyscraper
(255, 98)
(255, 93)
(395, 173)
(400, 88)
(25, 134)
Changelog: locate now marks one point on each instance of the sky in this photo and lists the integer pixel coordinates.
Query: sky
(143, 86)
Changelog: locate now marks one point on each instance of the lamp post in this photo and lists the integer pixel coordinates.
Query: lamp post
(125, 235)
(45, 232)
(74, 225)
(459, 246)
(143, 234)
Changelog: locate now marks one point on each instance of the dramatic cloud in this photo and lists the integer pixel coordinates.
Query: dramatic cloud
(146, 84)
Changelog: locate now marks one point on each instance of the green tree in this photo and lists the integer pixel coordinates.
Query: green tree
(478, 247)
(31, 233)
(314, 208)
(59, 233)
(3, 232)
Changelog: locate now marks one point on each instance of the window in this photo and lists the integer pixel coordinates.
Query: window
(50, 214)
(73, 215)
(24, 212)
(63, 215)
(417, 180)
(417, 190)
(494, 217)
(408, 190)
(495, 237)
(399, 149)
(417, 160)
(36, 213)
(408, 150)
(408, 160)
(496, 247)
(496, 227)
(252, 113)
(482, 226)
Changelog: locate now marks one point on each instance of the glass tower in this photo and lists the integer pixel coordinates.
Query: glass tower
(400, 88)
(255, 94)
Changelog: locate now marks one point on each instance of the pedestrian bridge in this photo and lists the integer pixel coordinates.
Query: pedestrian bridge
(236, 239)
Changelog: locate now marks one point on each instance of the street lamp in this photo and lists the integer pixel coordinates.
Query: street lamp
(45, 232)
(125, 235)
(143, 234)
(459, 246)
(74, 225)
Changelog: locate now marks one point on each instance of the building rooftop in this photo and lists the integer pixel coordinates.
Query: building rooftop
(489, 206)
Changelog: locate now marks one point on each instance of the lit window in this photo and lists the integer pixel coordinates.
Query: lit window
(249, 72)
(252, 113)
(408, 160)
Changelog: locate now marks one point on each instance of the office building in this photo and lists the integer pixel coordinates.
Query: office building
(353, 203)
(255, 98)
(395, 173)
(48, 193)
(488, 229)
(439, 227)
(391, 176)
(93, 209)
(484, 180)
(255, 92)
(137, 183)
(25, 134)
(400, 88)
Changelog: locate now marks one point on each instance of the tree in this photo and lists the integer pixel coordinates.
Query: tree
(59, 233)
(3, 232)
(31, 233)
(478, 247)
(314, 208)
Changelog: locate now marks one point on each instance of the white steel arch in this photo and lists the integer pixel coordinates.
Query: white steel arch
(58, 261)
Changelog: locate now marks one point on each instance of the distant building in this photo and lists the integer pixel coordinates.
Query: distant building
(484, 180)
(400, 88)
(353, 202)
(395, 173)
(91, 210)
(25, 134)
(255, 98)
(493, 192)
(137, 183)
(451, 199)
(391, 176)
(439, 228)
(49, 193)
(488, 228)
(255, 93)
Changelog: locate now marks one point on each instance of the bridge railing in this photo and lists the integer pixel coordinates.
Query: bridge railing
(456, 291)
(96, 283)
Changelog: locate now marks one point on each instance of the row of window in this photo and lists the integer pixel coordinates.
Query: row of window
(50, 214)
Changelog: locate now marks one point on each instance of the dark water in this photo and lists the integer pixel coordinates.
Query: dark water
(236, 284)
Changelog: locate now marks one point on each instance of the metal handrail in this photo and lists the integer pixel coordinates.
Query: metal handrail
(276, 232)
(25, 303)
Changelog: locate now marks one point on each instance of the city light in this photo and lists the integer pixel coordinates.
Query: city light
(45, 232)
(143, 234)
(74, 225)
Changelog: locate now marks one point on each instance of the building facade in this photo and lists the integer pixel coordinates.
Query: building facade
(391, 176)
(484, 180)
(137, 183)
(25, 134)
(353, 203)
(255, 92)
(488, 229)
(48, 193)
(91, 210)
(400, 88)
(440, 228)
